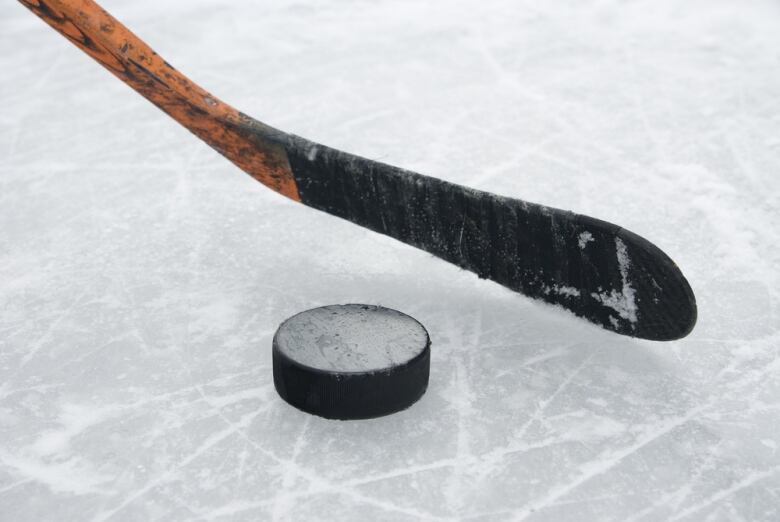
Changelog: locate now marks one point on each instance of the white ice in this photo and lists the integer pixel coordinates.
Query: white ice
(142, 275)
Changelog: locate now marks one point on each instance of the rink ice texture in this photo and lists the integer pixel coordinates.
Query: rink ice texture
(142, 275)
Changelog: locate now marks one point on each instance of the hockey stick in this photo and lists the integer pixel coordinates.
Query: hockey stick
(595, 269)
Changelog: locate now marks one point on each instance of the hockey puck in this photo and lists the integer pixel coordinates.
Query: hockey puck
(351, 361)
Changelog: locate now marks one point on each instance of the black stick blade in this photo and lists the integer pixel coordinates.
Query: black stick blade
(595, 269)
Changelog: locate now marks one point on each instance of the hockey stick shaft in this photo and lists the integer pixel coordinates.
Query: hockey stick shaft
(127, 57)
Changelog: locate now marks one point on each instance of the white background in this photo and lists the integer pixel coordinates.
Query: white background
(142, 275)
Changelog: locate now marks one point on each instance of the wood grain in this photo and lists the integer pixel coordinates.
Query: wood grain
(230, 132)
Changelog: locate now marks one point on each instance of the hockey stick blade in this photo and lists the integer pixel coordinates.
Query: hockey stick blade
(595, 269)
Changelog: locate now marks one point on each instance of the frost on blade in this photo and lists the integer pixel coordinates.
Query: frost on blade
(623, 302)
(584, 238)
(567, 291)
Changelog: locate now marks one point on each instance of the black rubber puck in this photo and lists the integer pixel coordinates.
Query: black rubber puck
(351, 361)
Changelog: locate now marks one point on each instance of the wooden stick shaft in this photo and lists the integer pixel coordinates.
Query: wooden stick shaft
(116, 48)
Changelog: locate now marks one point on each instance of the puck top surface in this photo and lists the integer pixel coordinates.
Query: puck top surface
(352, 338)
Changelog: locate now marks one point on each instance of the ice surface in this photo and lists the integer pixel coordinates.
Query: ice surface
(351, 338)
(142, 276)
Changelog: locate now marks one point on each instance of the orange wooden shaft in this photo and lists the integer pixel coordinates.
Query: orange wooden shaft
(230, 132)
